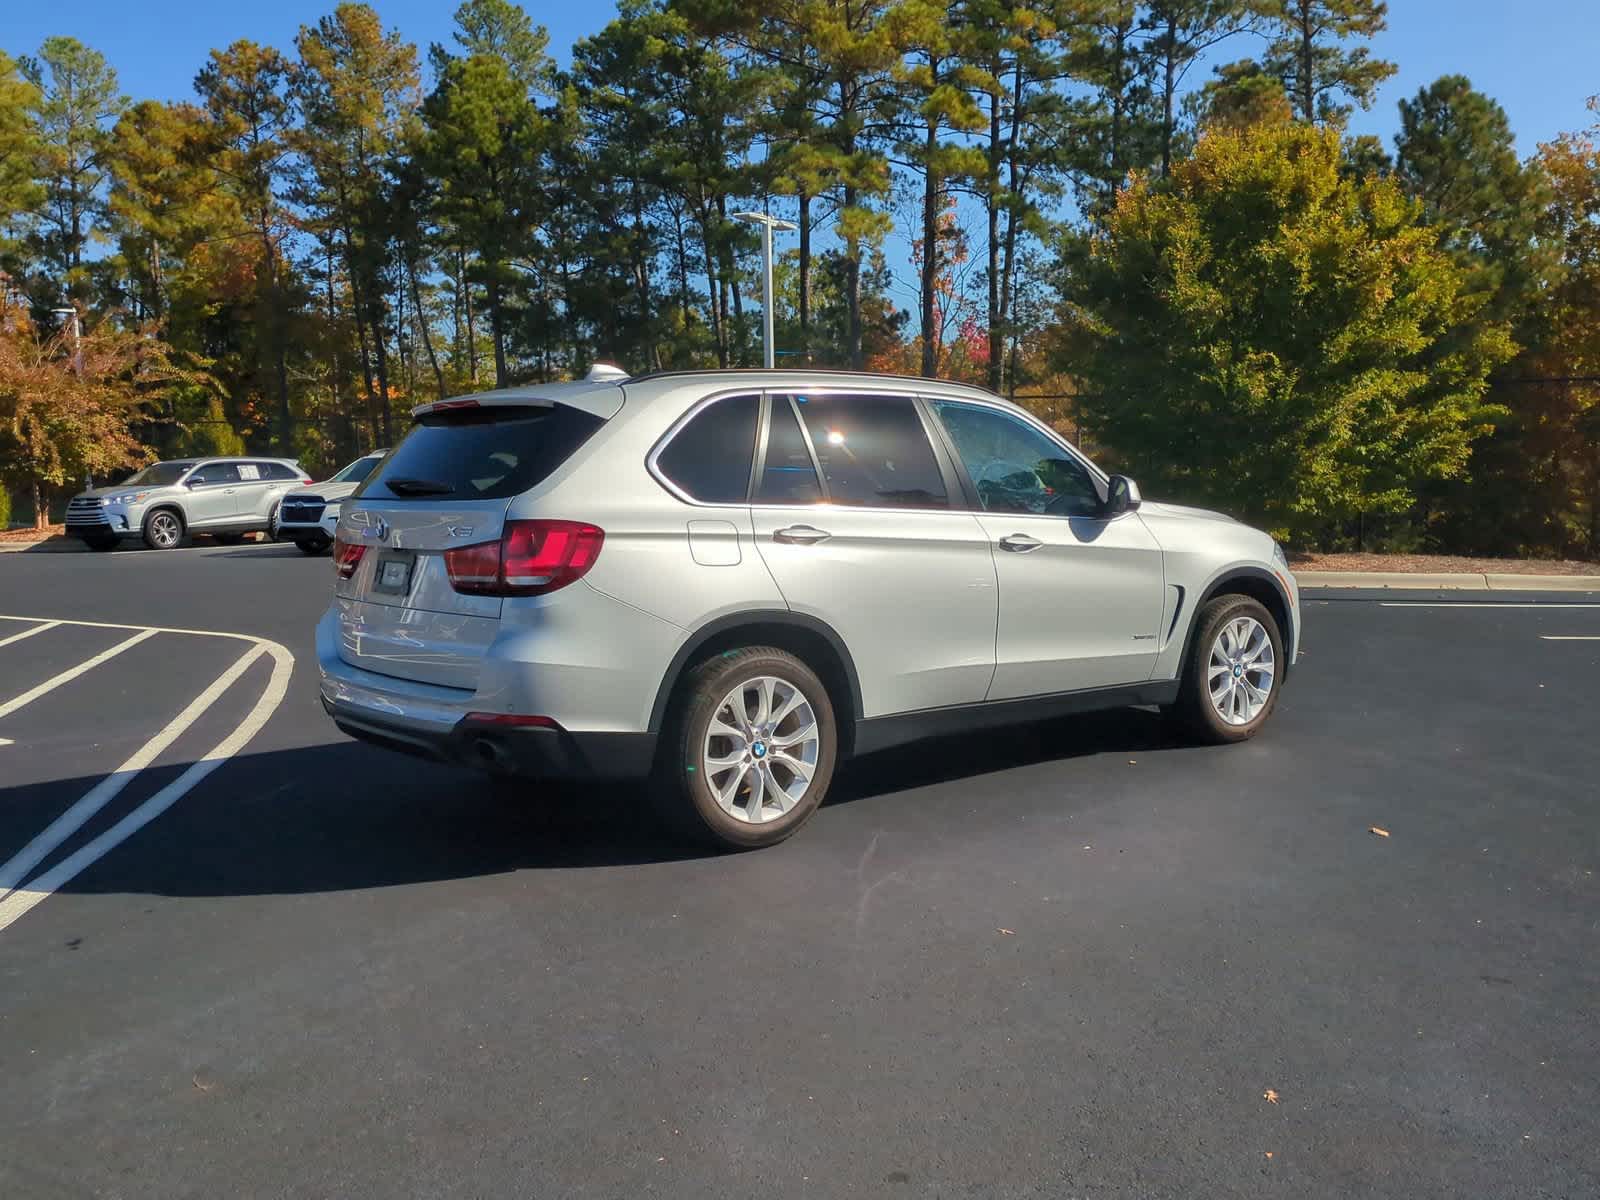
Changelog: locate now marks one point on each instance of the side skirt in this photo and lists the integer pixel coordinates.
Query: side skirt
(879, 733)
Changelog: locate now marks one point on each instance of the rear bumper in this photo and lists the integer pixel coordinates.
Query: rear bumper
(436, 722)
(536, 753)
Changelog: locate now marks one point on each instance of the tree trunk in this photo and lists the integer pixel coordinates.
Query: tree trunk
(996, 334)
(805, 278)
(472, 337)
(41, 518)
(1308, 53)
(383, 374)
(422, 328)
(497, 333)
(930, 241)
(1169, 86)
(713, 296)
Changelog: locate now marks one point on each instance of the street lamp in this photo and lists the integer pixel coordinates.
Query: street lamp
(768, 223)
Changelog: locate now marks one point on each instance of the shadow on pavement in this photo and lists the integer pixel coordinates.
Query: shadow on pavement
(347, 816)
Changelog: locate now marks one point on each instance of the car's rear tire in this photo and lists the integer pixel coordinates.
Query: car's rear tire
(1232, 673)
(748, 719)
(163, 530)
(313, 545)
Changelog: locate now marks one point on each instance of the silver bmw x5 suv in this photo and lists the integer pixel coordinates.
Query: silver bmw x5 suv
(730, 580)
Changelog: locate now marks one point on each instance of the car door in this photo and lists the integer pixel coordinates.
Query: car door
(861, 524)
(1080, 595)
(256, 493)
(213, 495)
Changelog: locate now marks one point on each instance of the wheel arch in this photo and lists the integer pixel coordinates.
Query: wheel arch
(1260, 585)
(170, 506)
(815, 642)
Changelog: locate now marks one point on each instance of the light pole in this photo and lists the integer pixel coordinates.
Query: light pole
(768, 223)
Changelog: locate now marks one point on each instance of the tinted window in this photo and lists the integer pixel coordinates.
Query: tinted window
(160, 474)
(258, 471)
(787, 476)
(709, 458)
(1015, 467)
(278, 471)
(873, 451)
(357, 471)
(216, 473)
(487, 453)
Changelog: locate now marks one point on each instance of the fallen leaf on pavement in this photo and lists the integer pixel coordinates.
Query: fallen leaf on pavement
(1380, 832)
(1270, 1096)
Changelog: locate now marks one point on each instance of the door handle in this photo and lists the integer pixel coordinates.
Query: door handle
(229, 491)
(1019, 543)
(801, 535)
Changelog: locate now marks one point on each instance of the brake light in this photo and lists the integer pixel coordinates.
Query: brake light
(531, 558)
(347, 557)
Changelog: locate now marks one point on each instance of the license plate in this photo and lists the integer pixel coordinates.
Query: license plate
(394, 574)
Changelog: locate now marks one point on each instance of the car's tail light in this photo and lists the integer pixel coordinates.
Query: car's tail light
(530, 559)
(347, 557)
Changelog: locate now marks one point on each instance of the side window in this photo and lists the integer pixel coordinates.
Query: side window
(278, 471)
(787, 476)
(254, 472)
(709, 458)
(216, 473)
(1015, 467)
(873, 451)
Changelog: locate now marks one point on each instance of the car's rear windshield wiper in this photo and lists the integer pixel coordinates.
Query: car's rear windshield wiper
(418, 487)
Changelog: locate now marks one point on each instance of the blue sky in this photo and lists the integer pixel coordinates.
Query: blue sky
(1539, 58)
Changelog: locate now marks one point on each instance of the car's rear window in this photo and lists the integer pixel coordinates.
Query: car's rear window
(488, 453)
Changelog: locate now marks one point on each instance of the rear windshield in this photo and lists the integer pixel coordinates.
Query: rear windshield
(488, 453)
(357, 471)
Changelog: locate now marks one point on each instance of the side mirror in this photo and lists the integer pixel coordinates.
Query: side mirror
(1122, 495)
(193, 481)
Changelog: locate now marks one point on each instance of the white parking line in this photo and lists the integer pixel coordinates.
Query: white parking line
(1476, 604)
(28, 633)
(1568, 637)
(69, 822)
(19, 899)
(50, 685)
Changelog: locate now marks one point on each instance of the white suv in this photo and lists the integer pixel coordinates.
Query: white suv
(166, 501)
(310, 518)
(730, 580)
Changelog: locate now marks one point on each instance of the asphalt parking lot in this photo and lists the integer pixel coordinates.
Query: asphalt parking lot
(1071, 960)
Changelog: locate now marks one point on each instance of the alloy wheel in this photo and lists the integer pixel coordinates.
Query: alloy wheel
(761, 749)
(1241, 670)
(165, 530)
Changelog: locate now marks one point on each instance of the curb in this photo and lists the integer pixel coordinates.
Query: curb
(50, 545)
(1464, 582)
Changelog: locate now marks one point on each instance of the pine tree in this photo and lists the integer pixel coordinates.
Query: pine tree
(1309, 51)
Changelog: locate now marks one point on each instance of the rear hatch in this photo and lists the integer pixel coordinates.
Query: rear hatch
(446, 486)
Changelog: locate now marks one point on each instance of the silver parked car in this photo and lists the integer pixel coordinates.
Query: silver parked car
(225, 497)
(310, 517)
(729, 580)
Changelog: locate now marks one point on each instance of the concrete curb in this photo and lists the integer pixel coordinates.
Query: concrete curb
(1465, 582)
(44, 546)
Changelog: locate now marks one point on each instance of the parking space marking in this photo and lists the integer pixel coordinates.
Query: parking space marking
(1476, 604)
(28, 633)
(69, 822)
(1569, 637)
(50, 685)
(20, 901)
(16, 898)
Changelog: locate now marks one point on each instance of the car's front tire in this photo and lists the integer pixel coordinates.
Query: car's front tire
(163, 530)
(1233, 671)
(749, 749)
(313, 545)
